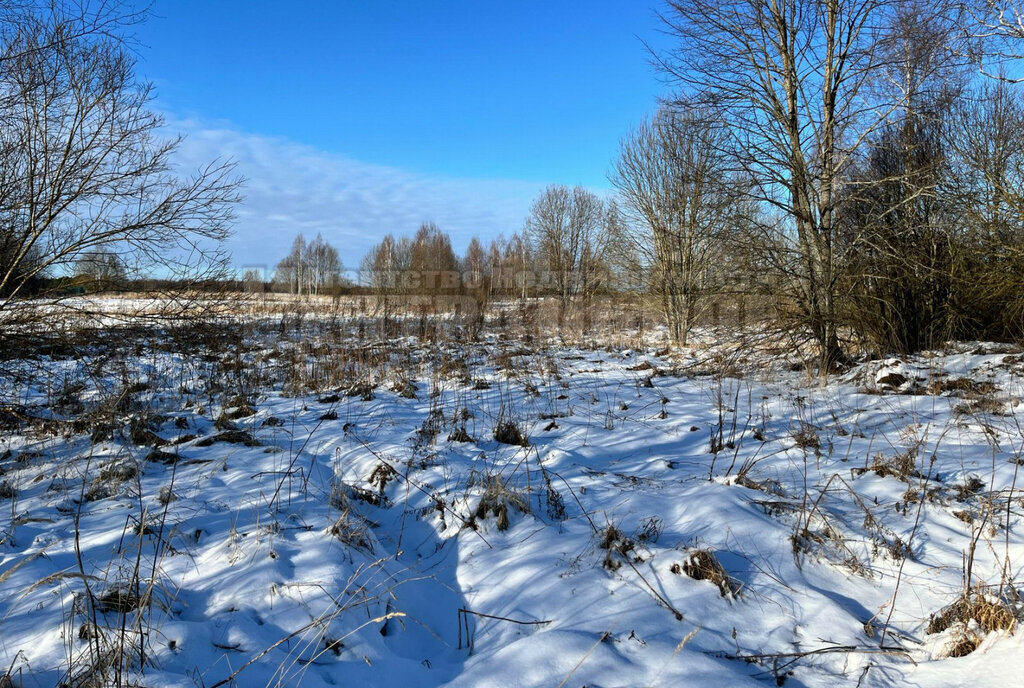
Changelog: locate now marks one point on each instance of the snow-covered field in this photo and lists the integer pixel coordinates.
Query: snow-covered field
(285, 508)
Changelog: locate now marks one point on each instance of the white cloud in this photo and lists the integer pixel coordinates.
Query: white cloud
(292, 188)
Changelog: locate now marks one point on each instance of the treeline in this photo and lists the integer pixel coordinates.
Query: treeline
(562, 252)
(427, 264)
(847, 162)
(856, 164)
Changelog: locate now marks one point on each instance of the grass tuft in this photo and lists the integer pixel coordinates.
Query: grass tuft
(702, 565)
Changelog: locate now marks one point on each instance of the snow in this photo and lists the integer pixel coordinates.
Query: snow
(288, 563)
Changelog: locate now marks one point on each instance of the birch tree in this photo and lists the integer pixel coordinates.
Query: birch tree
(566, 227)
(791, 78)
(672, 176)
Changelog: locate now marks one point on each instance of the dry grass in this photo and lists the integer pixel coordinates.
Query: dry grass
(901, 466)
(110, 479)
(972, 616)
(990, 614)
(460, 434)
(231, 437)
(118, 472)
(496, 500)
(405, 388)
(968, 488)
(509, 432)
(702, 565)
(614, 541)
(963, 387)
(337, 373)
(237, 408)
(121, 599)
(805, 437)
(350, 530)
(965, 516)
(982, 405)
(157, 456)
(98, 668)
(381, 475)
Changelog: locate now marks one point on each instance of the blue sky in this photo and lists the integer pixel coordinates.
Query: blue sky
(359, 118)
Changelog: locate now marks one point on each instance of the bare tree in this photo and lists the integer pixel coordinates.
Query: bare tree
(476, 272)
(791, 79)
(432, 262)
(987, 151)
(900, 230)
(100, 270)
(83, 166)
(252, 281)
(567, 229)
(999, 26)
(309, 267)
(900, 247)
(323, 266)
(290, 273)
(986, 185)
(386, 268)
(518, 262)
(672, 175)
(497, 276)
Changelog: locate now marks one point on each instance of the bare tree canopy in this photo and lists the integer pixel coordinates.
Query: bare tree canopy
(84, 165)
(310, 268)
(422, 265)
(672, 176)
(567, 229)
(999, 24)
(792, 79)
(432, 261)
(100, 269)
(324, 265)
